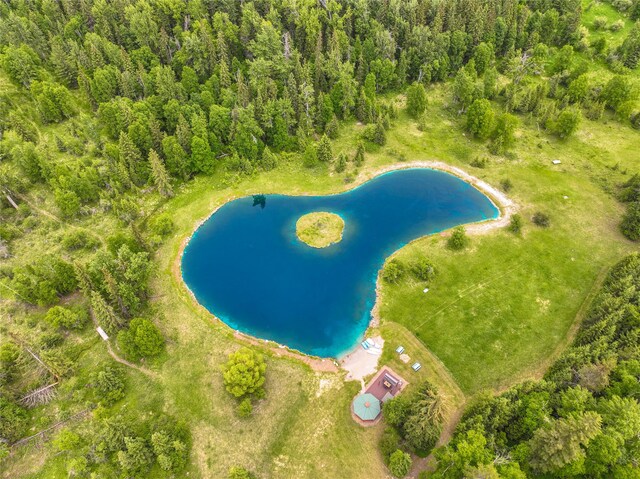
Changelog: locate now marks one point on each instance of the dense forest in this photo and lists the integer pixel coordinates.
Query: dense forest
(109, 108)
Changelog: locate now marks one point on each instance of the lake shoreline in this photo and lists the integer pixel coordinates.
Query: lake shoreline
(503, 204)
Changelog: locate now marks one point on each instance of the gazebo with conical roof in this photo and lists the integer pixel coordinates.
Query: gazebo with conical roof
(366, 407)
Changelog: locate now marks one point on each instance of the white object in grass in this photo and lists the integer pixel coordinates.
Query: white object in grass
(556, 162)
(416, 366)
(102, 334)
(425, 290)
(400, 349)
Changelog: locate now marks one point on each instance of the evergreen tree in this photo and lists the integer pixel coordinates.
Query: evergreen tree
(341, 164)
(332, 128)
(416, 100)
(358, 159)
(480, 119)
(563, 441)
(324, 153)
(202, 158)
(370, 86)
(503, 136)
(130, 155)
(176, 158)
(104, 313)
(379, 133)
(159, 174)
(84, 282)
(183, 133)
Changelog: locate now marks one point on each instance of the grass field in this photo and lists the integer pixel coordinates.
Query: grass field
(319, 229)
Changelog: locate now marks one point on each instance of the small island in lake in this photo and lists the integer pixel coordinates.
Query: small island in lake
(320, 229)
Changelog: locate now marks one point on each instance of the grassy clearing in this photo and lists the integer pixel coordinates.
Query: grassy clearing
(319, 229)
(593, 9)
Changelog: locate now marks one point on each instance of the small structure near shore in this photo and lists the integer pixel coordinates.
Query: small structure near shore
(366, 406)
(383, 387)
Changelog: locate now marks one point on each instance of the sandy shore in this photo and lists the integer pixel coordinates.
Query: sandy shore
(354, 361)
(359, 363)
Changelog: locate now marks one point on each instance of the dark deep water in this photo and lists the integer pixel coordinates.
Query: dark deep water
(246, 265)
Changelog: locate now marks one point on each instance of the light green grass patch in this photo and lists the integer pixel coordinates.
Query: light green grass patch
(320, 229)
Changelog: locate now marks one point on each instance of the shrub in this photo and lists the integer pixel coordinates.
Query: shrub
(617, 25)
(142, 339)
(393, 271)
(600, 23)
(399, 463)
(77, 239)
(375, 133)
(389, 443)
(458, 239)
(136, 457)
(423, 269)
(162, 225)
(630, 225)
(541, 219)
(480, 162)
(245, 408)
(244, 373)
(237, 472)
(631, 189)
(120, 239)
(515, 225)
(110, 385)
(332, 128)
(170, 450)
(61, 317)
(396, 410)
(13, 420)
(594, 109)
(341, 164)
(44, 280)
(66, 440)
(567, 122)
(506, 185)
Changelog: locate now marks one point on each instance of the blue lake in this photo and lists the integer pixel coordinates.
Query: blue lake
(247, 267)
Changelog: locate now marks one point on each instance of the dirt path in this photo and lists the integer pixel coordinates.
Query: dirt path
(114, 355)
(145, 371)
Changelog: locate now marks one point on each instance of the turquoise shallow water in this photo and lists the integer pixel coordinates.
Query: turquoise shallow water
(246, 265)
